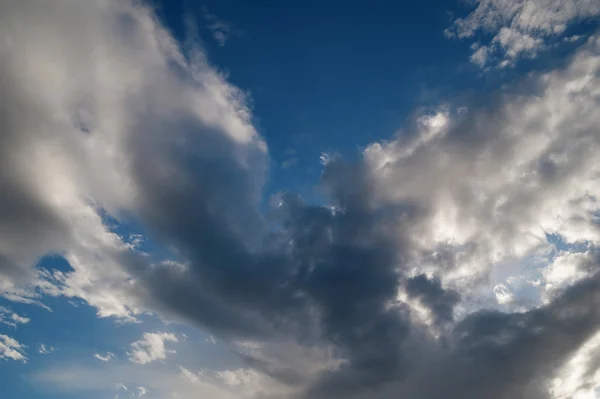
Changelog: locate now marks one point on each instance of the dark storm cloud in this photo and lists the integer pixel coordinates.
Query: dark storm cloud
(431, 294)
(337, 270)
(500, 355)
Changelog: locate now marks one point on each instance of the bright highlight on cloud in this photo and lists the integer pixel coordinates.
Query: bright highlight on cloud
(457, 259)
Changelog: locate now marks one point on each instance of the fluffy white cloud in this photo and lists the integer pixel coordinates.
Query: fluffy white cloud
(520, 28)
(10, 348)
(151, 347)
(149, 382)
(493, 184)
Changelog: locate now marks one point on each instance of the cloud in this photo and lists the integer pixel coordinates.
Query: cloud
(62, 191)
(430, 293)
(238, 383)
(219, 28)
(11, 349)
(105, 358)
(151, 347)
(318, 301)
(128, 380)
(45, 350)
(519, 28)
(11, 318)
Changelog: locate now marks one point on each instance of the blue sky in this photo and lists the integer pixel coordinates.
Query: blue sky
(329, 78)
(301, 199)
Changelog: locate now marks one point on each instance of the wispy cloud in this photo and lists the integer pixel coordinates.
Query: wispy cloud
(519, 28)
(219, 28)
(45, 350)
(106, 357)
(11, 318)
(382, 290)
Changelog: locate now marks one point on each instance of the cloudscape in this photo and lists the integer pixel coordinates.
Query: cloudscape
(300, 199)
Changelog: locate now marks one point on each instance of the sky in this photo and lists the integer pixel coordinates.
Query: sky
(299, 200)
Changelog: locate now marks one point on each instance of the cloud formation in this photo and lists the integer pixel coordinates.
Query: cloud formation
(105, 358)
(374, 295)
(150, 348)
(11, 349)
(219, 28)
(516, 29)
(45, 350)
(11, 318)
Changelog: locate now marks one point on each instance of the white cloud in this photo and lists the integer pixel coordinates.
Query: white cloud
(575, 379)
(11, 349)
(151, 347)
(11, 318)
(211, 340)
(71, 119)
(479, 57)
(149, 382)
(477, 189)
(491, 184)
(567, 268)
(237, 383)
(45, 350)
(105, 358)
(520, 27)
(503, 294)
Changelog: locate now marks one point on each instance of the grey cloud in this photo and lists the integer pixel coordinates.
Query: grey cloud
(324, 277)
(336, 266)
(430, 292)
(502, 355)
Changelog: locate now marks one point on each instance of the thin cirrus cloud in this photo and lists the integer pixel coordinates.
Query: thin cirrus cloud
(45, 349)
(386, 291)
